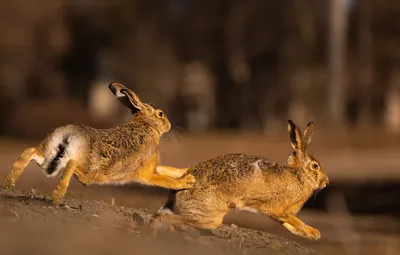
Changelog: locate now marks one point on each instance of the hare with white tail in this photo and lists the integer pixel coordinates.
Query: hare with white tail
(250, 183)
(124, 154)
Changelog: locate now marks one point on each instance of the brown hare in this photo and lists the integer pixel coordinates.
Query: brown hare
(124, 154)
(248, 183)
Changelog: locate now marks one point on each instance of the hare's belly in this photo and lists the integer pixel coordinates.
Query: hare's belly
(116, 174)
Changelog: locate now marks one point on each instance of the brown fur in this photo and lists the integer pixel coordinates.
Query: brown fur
(128, 153)
(250, 183)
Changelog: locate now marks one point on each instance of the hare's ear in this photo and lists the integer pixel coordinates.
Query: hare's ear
(133, 99)
(126, 96)
(295, 136)
(308, 133)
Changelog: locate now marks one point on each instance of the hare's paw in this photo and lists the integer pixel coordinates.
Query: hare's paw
(312, 233)
(9, 181)
(57, 197)
(306, 232)
(187, 181)
(158, 225)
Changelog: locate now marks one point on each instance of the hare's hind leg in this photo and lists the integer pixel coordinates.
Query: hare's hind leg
(163, 220)
(18, 167)
(166, 216)
(63, 184)
(202, 209)
(168, 220)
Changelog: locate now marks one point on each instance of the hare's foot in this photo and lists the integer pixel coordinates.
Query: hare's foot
(57, 196)
(158, 224)
(312, 233)
(9, 181)
(297, 227)
(307, 231)
(187, 181)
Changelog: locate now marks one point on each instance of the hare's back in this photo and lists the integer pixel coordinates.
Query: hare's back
(232, 167)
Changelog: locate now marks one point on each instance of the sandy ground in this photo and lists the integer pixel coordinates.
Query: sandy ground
(352, 160)
(91, 227)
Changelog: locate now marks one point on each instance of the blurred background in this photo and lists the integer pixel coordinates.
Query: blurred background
(228, 73)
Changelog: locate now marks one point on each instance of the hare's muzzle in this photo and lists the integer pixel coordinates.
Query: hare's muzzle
(324, 183)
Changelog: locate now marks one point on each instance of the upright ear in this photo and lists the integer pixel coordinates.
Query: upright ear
(133, 99)
(295, 136)
(308, 133)
(126, 96)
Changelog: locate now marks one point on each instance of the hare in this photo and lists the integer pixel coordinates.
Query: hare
(248, 183)
(124, 154)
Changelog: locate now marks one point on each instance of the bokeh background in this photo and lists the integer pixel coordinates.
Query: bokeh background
(229, 74)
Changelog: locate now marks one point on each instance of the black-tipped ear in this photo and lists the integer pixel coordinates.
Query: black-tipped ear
(295, 136)
(126, 96)
(308, 133)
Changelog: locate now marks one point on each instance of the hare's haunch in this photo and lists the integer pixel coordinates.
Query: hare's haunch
(249, 183)
(127, 153)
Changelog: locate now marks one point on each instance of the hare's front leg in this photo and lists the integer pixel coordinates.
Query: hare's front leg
(18, 167)
(185, 182)
(148, 175)
(171, 171)
(297, 227)
(62, 186)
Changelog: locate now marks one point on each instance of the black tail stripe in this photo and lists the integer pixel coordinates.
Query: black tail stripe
(56, 160)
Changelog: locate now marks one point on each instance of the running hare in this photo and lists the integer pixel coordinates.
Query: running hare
(249, 183)
(127, 153)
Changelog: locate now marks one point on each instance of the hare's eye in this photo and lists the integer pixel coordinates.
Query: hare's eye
(160, 114)
(315, 166)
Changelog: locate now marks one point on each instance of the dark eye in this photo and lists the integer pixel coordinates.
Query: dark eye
(160, 114)
(315, 166)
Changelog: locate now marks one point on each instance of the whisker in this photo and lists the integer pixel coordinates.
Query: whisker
(174, 139)
(178, 128)
(175, 136)
(314, 195)
(176, 133)
(162, 144)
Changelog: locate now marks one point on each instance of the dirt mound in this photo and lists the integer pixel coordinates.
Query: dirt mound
(29, 223)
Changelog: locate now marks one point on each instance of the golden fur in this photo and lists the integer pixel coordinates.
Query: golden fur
(255, 184)
(127, 153)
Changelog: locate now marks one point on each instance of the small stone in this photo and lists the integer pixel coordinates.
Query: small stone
(138, 219)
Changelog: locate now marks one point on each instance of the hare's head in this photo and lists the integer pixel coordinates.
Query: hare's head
(156, 117)
(299, 158)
